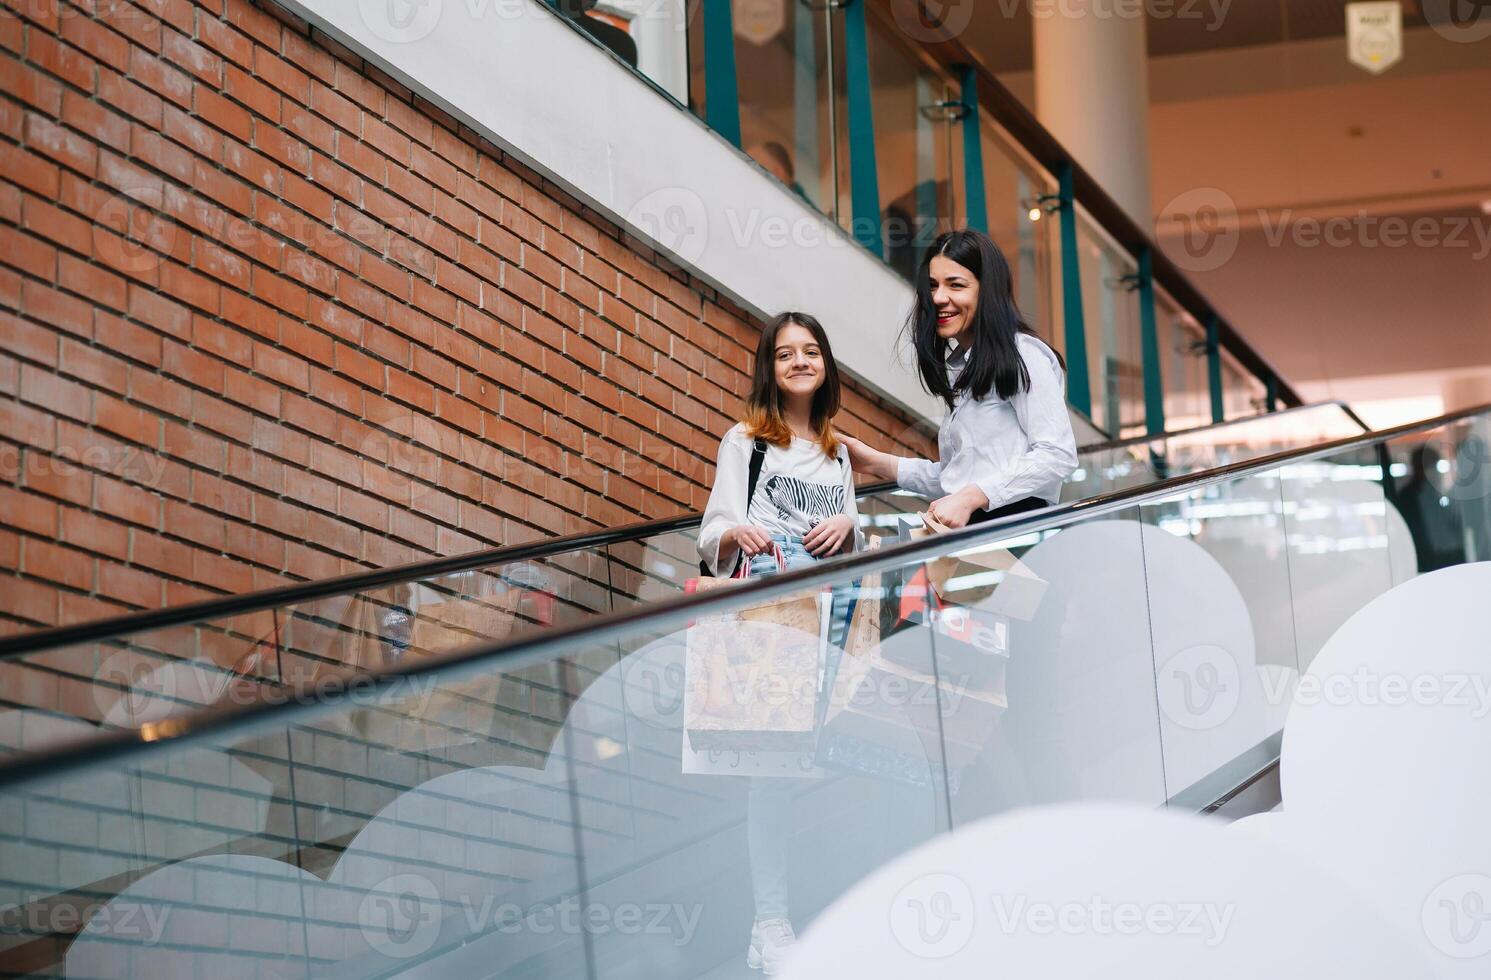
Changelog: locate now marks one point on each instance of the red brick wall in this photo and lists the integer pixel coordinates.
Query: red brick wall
(264, 316)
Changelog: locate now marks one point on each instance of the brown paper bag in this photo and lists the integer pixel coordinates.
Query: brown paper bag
(751, 679)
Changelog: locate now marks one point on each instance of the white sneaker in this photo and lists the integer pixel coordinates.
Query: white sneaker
(771, 944)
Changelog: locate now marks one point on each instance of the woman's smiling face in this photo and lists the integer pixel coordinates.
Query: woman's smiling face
(799, 361)
(955, 297)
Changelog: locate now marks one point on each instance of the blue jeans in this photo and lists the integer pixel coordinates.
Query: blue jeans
(769, 805)
(799, 557)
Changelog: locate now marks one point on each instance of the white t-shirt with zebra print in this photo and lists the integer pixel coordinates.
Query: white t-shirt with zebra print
(799, 487)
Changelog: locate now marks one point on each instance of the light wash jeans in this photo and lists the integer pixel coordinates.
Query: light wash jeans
(769, 805)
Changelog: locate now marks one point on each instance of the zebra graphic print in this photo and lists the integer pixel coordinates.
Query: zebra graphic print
(799, 501)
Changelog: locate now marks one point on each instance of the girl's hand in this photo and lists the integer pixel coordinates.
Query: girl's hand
(872, 462)
(829, 537)
(954, 510)
(750, 539)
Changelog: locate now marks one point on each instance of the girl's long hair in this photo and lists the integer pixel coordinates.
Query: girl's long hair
(764, 416)
(994, 362)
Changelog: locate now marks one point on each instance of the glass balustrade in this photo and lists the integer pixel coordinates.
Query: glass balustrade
(625, 799)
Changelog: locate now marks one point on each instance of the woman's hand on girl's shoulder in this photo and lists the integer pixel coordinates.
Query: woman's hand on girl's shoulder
(873, 462)
(829, 537)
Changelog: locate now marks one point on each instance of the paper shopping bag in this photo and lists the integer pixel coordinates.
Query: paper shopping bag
(751, 679)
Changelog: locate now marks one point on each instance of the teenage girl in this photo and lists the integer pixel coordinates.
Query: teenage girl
(1007, 443)
(803, 506)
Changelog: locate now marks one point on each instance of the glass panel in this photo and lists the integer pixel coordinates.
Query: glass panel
(278, 654)
(341, 845)
(69, 694)
(659, 32)
(1250, 437)
(918, 149)
(1336, 521)
(1020, 225)
(1441, 489)
(1110, 305)
(633, 807)
(1242, 394)
(782, 73)
(752, 766)
(1220, 607)
(652, 568)
(1046, 649)
(1183, 366)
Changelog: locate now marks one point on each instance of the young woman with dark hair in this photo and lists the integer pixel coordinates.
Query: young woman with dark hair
(1007, 443)
(798, 504)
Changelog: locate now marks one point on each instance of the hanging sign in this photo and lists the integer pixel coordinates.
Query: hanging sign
(1374, 34)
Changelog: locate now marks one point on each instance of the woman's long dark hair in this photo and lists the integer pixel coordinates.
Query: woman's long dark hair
(994, 362)
(764, 418)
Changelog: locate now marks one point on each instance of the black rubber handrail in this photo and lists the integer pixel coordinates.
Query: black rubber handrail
(662, 617)
(93, 631)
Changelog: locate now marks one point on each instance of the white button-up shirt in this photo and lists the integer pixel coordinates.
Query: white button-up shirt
(1010, 449)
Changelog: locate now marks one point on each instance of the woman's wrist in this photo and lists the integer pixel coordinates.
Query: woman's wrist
(975, 497)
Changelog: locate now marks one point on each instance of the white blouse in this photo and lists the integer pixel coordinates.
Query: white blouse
(799, 487)
(1010, 449)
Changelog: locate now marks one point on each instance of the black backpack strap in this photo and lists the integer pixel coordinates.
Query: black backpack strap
(758, 459)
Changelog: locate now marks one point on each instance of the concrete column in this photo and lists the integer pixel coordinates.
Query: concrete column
(1092, 92)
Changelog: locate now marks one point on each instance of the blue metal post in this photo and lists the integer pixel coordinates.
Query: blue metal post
(721, 88)
(864, 179)
(973, 155)
(1149, 340)
(1079, 390)
(1214, 369)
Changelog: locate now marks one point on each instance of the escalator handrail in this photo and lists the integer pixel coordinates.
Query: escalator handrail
(222, 607)
(664, 616)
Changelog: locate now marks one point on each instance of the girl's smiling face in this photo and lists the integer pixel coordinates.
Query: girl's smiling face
(799, 362)
(955, 297)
